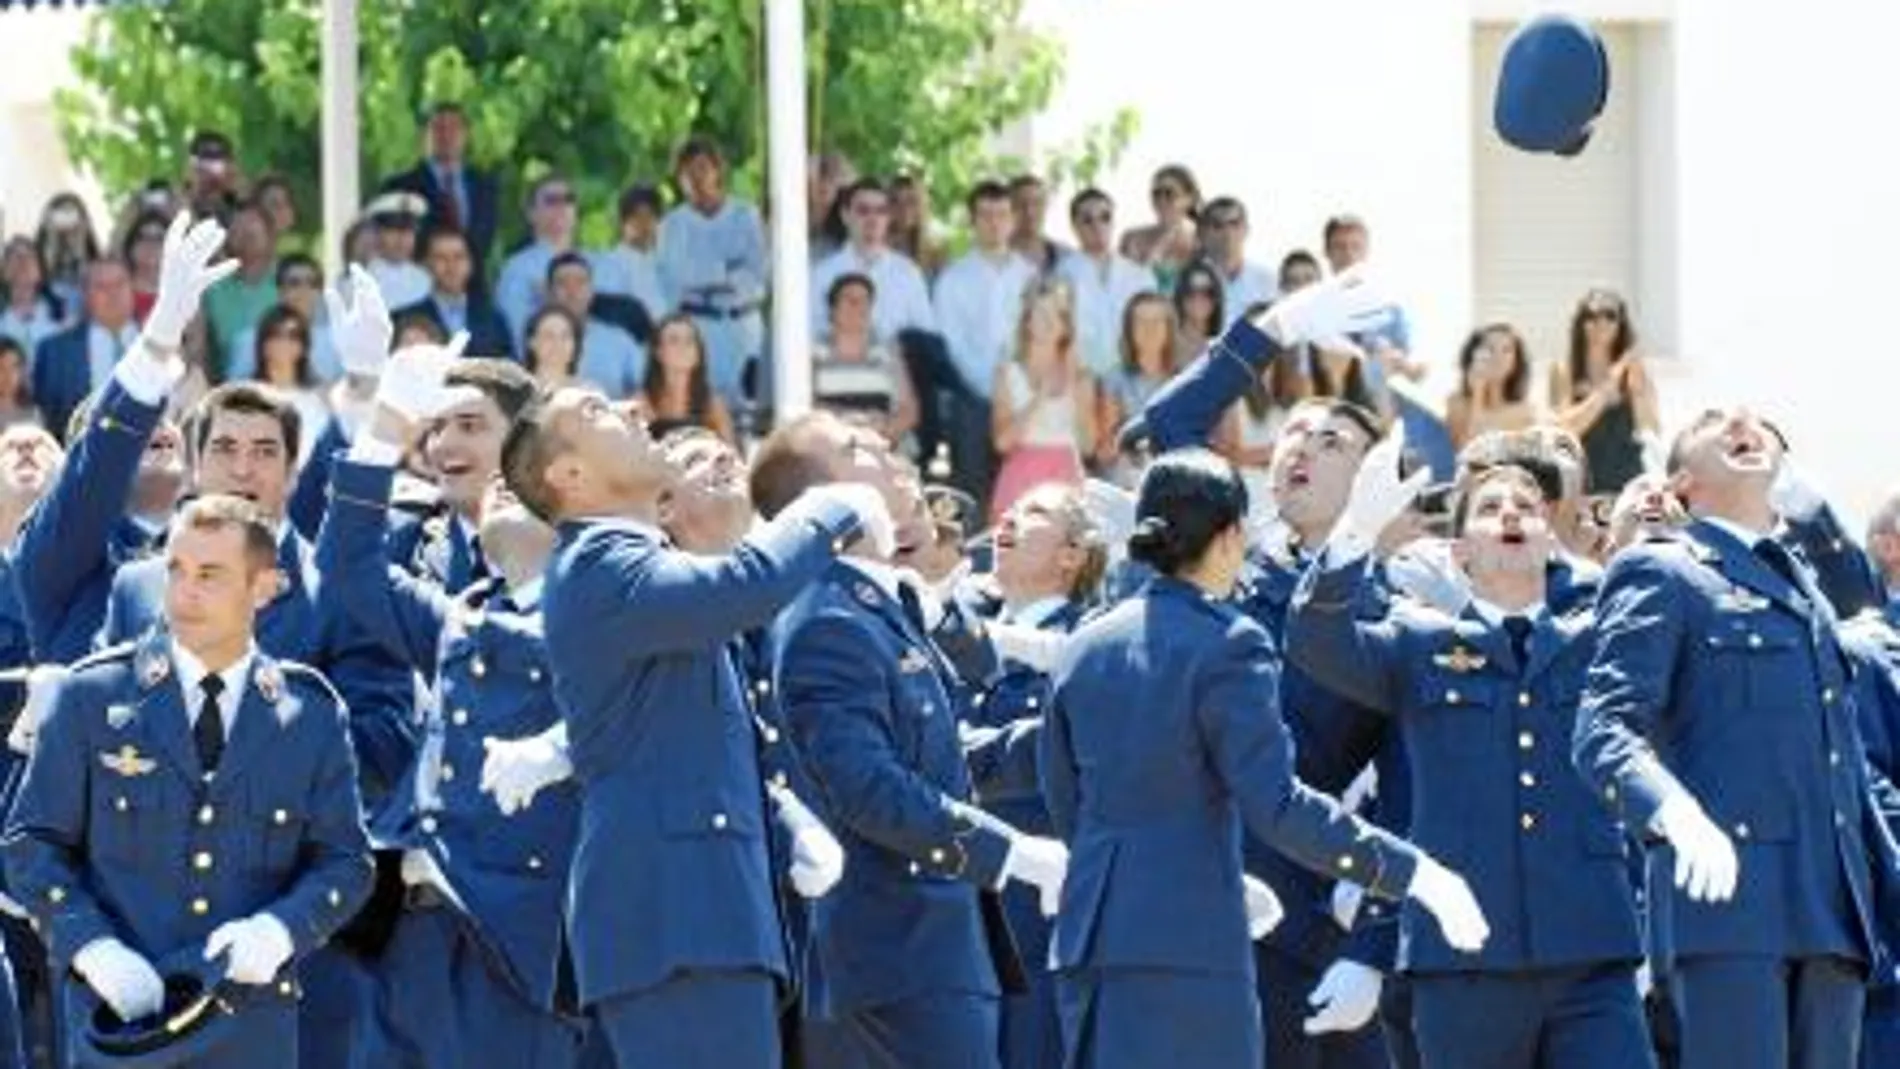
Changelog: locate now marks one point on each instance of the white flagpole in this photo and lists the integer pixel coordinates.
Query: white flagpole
(785, 171)
(342, 199)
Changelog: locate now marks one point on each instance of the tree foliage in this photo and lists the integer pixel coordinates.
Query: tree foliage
(600, 90)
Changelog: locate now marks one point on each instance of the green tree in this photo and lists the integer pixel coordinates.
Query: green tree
(601, 90)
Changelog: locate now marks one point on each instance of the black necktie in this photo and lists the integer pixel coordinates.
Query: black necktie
(1520, 630)
(1781, 561)
(477, 562)
(208, 732)
(913, 608)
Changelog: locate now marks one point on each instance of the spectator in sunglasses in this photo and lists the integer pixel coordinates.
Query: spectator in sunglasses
(1167, 244)
(552, 219)
(1198, 309)
(1603, 394)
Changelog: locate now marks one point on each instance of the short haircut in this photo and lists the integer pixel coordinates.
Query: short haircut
(1222, 205)
(1341, 222)
(251, 399)
(786, 466)
(846, 281)
(988, 189)
(641, 195)
(1531, 472)
(1359, 416)
(1084, 197)
(504, 382)
(443, 232)
(222, 512)
(866, 184)
(531, 445)
(1679, 445)
(570, 258)
(291, 261)
(699, 146)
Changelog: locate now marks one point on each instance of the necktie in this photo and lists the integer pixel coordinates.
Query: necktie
(913, 608)
(208, 732)
(450, 203)
(1520, 630)
(1781, 561)
(477, 563)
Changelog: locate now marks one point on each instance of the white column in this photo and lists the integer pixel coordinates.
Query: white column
(785, 170)
(342, 198)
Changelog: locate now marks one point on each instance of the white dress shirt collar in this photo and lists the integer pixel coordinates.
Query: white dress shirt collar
(191, 676)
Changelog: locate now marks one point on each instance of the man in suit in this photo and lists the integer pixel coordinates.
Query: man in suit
(71, 364)
(678, 949)
(460, 197)
(1484, 700)
(1717, 715)
(191, 797)
(455, 302)
(474, 966)
(910, 953)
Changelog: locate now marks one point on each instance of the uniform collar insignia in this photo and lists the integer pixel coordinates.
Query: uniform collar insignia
(270, 681)
(127, 761)
(1739, 600)
(868, 594)
(154, 665)
(435, 528)
(1460, 660)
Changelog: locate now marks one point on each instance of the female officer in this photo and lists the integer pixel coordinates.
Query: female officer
(1163, 736)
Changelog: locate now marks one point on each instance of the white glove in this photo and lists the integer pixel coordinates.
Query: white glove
(1425, 572)
(1264, 912)
(260, 947)
(411, 382)
(120, 976)
(1346, 900)
(817, 859)
(1346, 303)
(1345, 999)
(1706, 866)
(1114, 512)
(1645, 980)
(865, 502)
(1041, 863)
(1791, 495)
(42, 686)
(515, 770)
(1378, 497)
(1445, 895)
(184, 274)
(359, 327)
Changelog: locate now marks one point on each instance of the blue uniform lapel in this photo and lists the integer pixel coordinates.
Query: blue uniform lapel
(257, 723)
(1740, 564)
(161, 707)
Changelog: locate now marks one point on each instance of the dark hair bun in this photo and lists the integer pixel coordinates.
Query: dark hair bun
(1150, 541)
(1187, 499)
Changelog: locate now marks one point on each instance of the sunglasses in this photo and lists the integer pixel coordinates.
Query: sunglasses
(557, 199)
(302, 282)
(1093, 218)
(287, 333)
(1604, 315)
(1201, 291)
(1165, 193)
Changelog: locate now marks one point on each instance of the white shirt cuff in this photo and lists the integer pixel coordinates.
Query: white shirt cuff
(369, 449)
(141, 374)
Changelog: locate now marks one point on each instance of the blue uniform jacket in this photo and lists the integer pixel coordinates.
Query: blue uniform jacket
(1494, 795)
(871, 705)
(116, 832)
(1163, 739)
(662, 744)
(78, 536)
(487, 660)
(1715, 674)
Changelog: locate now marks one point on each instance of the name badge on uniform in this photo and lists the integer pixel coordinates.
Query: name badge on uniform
(913, 660)
(1460, 660)
(127, 762)
(1739, 600)
(118, 716)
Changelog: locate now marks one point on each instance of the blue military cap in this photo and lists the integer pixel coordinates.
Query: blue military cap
(196, 1021)
(1552, 86)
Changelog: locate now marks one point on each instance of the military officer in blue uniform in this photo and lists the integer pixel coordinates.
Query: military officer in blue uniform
(1717, 715)
(1163, 740)
(1875, 634)
(677, 944)
(191, 797)
(473, 965)
(1485, 702)
(1049, 559)
(910, 952)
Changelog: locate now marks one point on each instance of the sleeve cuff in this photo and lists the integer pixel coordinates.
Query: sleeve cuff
(369, 449)
(141, 374)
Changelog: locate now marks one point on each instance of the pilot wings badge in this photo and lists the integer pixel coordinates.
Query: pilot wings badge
(127, 761)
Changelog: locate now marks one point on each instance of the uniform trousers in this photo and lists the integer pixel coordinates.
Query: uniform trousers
(443, 1003)
(1149, 1018)
(1395, 1022)
(1584, 1017)
(710, 1019)
(1880, 1039)
(1770, 1013)
(1285, 982)
(339, 996)
(951, 1030)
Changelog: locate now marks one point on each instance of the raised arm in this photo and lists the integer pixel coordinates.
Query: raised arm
(403, 614)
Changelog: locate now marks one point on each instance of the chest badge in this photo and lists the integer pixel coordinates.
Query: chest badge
(912, 661)
(127, 762)
(1460, 660)
(118, 716)
(1739, 600)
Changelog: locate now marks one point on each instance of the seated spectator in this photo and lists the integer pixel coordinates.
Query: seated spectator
(16, 393)
(855, 374)
(1199, 312)
(1043, 402)
(237, 303)
(678, 388)
(610, 358)
(631, 268)
(453, 301)
(300, 285)
(283, 363)
(1602, 393)
(903, 299)
(68, 243)
(1169, 243)
(551, 351)
(393, 218)
(143, 250)
(1148, 353)
(272, 193)
(1494, 385)
(31, 313)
